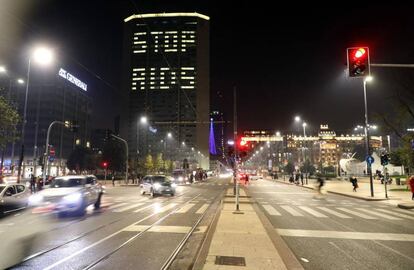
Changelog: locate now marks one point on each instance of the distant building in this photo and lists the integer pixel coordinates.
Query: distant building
(166, 76)
(53, 96)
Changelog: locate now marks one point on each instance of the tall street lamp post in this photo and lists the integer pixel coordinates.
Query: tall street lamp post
(42, 56)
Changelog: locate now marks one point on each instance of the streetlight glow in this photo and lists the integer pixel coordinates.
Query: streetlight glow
(297, 119)
(2, 69)
(169, 135)
(143, 120)
(304, 124)
(369, 79)
(278, 133)
(20, 81)
(43, 56)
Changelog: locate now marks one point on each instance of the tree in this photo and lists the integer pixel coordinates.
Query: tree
(8, 121)
(290, 167)
(168, 165)
(149, 164)
(159, 163)
(114, 154)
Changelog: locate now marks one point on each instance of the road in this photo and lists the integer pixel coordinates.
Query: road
(337, 232)
(130, 231)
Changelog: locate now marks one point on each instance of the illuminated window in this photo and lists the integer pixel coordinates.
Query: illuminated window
(152, 68)
(142, 83)
(175, 36)
(187, 78)
(135, 38)
(171, 32)
(152, 87)
(183, 45)
(172, 82)
(152, 82)
(152, 73)
(173, 72)
(161, 82)
(166, 46)
(140, 33)
(175, 45)
(165, 68)
(140, 51)
(77, 142)
(191, 82)
(155, 50)
(134, 88)
(140, 42)
(182, 72)
(144, 46)
(183, 50)
(142, 88)
(187, 87)
(161, 78)
(152, 78)
(187, 68)
(134, 83)
(142, 73)
(134, 74)
(171, 50)
(162, 73)
(166, 41)
(164, 87)
(138, 69)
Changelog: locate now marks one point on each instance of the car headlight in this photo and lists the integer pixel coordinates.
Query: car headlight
(35, 199)
(72, 198)
(180, 178)
(173, 185)
(157, 185)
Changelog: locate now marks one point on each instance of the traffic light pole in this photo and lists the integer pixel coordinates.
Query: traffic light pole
(126, 161)
(369, 169)
(45, 162)
(236, 183)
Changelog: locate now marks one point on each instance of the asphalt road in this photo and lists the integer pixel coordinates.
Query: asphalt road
(130, 231)
(337, 232)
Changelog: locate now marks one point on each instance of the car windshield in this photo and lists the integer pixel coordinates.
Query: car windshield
(160, 179)
(66, 182)
(178, 173)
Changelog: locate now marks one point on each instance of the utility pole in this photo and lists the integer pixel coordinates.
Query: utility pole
(236, 183)
(126, 161)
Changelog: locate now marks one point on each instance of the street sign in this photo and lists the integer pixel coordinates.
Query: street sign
(369, 160)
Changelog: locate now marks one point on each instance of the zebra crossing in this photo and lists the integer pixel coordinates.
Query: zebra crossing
(373, 213)
(136, 206)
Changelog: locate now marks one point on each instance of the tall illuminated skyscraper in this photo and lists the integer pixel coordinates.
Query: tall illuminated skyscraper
(166, 77)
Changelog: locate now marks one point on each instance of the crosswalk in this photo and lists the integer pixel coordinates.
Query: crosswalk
(373, 213)
(159, 206)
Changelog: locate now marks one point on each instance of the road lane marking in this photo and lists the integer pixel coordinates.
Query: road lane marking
(356, 213)
(118, 210)
(404, 211)
(116, 205)
(292, 211)
(202, 209)
(369, 211)
(396, 214)
(347, 235)
(271, 210)
(185, 208)
(332, 212)
(312, 212)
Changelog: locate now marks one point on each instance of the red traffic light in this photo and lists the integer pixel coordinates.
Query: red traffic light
(358, 61)
(104, 164)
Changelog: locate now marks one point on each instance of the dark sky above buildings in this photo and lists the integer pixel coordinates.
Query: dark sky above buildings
(284, 59)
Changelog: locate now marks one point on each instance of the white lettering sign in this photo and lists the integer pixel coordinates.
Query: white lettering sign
(64, 74)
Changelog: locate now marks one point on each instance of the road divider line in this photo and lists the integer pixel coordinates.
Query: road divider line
(291, 211)
(356, 213)
(369, 211)
(271, 210)
(332, 212)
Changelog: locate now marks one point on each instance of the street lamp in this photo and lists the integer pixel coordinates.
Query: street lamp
(143, 121)
(367, 79)
(304, 127)
(42, 56)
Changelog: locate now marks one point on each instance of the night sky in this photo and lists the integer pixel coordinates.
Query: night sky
(283, 60)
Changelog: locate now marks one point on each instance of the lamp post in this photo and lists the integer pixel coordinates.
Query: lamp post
(42, 56)
(142, 121)
(369, 170)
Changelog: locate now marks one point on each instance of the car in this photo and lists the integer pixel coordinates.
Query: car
(13, 197)
(157, 185)
(179, 177)
(254, 177)
(70, 194)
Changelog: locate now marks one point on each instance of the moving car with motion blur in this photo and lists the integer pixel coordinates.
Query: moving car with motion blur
(70, 194)
(157, 185)
(13, 197)
(179, 176)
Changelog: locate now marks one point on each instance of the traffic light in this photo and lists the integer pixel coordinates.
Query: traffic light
(384, 159)
(74, 127)
(358, 61)
(105, 164)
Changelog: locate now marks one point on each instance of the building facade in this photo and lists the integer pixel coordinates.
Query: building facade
(52, 96)
(166, 79)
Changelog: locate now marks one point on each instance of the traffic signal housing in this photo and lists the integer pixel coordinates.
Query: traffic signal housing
(384, 159)
(358, 61)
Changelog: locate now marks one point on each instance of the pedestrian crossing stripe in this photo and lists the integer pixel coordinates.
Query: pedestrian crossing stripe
(312, 212)
(332, 212)
(128, 207)
(291, 211)
(396, 214)
(356, 213)
(116, 205)
(202, 209)
(371, 212)
(271, 210)
(185, 208)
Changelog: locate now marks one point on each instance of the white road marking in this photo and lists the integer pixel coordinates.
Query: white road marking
(396, 214)
(292, 211)
(116, 205)
(369, 211)
(271, 210)
(312, 212)
(185, 208)
(127, 207)
(332, 212)
(356, 213)
(404, 211)
(202, 209)
(347, 235)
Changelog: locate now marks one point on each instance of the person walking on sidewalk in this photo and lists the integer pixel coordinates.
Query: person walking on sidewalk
(354, 182)
(113, 180)
(321, 183)
(410, 182)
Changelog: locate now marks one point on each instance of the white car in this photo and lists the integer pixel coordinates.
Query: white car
(13, 197)
(69, 194)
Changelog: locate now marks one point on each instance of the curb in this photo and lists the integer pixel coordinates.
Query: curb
(406, 205)
(285, 253)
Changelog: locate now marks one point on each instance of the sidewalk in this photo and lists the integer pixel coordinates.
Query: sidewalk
(240, 240)
(344, 187)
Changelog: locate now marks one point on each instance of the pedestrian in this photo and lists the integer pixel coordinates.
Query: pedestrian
(113, 180)
(354, 182)
(301, 178)
(411, 183)
(297, 178)
(321, 183)
(33, 183)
